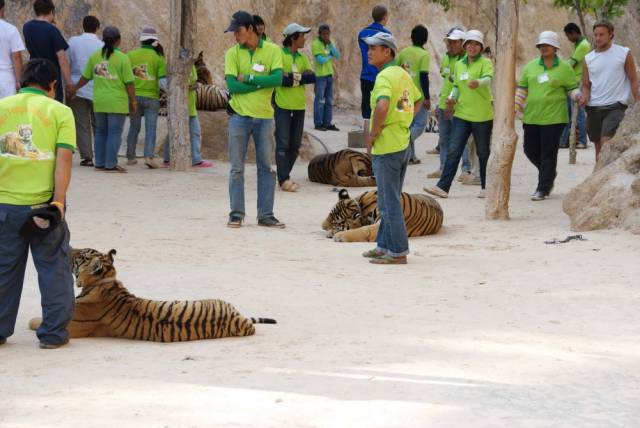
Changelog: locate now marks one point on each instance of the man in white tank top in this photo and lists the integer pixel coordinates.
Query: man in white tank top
(609, 80)
(11, 47)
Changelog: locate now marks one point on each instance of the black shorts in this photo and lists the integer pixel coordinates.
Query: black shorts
(366, 86)
(604, 121)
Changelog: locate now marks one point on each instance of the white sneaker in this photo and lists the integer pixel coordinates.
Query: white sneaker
(482, 194)
(465, 176)
(435, 174)
(436, 191)
(132, 161)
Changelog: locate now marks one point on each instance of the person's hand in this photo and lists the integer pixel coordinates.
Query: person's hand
(18, 87)
(133, 106)
(71, 91)
(473, 84)
(448, 113)
(426, 103)
(583, 101)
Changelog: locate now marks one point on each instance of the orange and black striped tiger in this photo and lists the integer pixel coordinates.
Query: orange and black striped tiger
(357, 220)
(347, 168)
(105, 308)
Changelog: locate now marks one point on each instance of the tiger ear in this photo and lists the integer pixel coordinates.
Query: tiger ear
(112, 252)
(95, 266)
(200, 55)
(343, 194)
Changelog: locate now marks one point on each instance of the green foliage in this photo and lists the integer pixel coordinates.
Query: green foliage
(600, 9)
(446, 4)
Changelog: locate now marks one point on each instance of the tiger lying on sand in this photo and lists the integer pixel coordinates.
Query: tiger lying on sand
(357, 220)
(346, 168)
(105, 308)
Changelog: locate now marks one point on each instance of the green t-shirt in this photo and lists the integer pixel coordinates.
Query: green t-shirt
(446, 71)
(580, 50)
(110, 78)
(394, 84)
(318, 47)
(292, 98)
(32, 127)
(193, 78)
(414, 60)
(473, 105)
(148, 68)
(547, 91)
(240, 60)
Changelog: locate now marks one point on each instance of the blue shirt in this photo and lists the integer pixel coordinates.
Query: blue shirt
(44, 40)
(369, 72)
(80, 49)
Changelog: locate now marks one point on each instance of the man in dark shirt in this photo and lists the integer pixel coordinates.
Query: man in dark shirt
(44, 40)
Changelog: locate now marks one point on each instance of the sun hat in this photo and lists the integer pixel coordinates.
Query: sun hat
(549, 38)
(474, 35)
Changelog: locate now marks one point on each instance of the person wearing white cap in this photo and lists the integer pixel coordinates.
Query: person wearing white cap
(395, 100)
(290, 103)
(149, 68)
(542, 96)
(473, 113)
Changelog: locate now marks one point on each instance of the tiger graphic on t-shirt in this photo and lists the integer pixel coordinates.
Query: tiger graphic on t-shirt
(101, 69)
(20, 145)
(140, 72)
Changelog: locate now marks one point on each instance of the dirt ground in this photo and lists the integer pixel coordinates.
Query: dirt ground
(487, 326)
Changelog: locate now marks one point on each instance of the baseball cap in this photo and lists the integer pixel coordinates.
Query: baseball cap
(382, 39)
(456, 34)
(294, 28)
(148, 33)
(239, 19)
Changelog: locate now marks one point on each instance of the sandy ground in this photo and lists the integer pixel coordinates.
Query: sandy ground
(486, 327)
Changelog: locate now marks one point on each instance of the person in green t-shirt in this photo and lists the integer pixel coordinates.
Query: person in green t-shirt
(324, 52)
(544, 85)
(260, 28)
(252, 68)
(149, 69)
(37, 140)
(416, 60)
(473, 112)
(113, 98)
(581, 48)
(395, 100)
(291, 103)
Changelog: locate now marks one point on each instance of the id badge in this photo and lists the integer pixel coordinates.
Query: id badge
(464, 76)
(259, 68)
(294, 68)
(544, 77)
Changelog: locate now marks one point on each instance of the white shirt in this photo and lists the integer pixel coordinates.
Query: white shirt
(80, 49)
(10, 43)
(609, 81)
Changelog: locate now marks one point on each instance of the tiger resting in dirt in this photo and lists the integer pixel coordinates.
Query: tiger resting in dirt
(346, 168)
(357, 220)
(105, 308)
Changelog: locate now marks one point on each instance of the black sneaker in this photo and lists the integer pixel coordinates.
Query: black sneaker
(3, 340)
(44, 345)
(234, 221)
(563, 146)
(332, 128)
(271, 222)
(320, 128)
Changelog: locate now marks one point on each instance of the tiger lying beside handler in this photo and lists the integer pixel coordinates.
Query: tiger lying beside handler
(105, 308)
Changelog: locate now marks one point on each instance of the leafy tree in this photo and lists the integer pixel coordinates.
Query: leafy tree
(599, 9)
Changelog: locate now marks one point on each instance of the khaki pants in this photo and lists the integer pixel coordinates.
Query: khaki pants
(83, 113)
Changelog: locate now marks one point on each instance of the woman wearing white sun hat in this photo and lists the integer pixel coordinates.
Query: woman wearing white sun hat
(544, 85)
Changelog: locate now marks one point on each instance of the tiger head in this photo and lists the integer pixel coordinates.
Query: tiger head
(89, 265)
(345, 215)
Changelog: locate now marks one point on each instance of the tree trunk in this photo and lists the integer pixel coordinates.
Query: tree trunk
(580, 14)
(573, 132)
(504, 138)
(183, 27)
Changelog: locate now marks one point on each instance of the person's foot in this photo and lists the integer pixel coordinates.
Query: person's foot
(538, 196)
(202, 164)
(86, 162)
(435, 151)
(563, 146)
(150, 163)
(3, 340)
(320, 128)
(435, 174)
(234, 222)
(132, 161)
(482, 193)
(436, 191)
(414, 161)
(99, 168)
(271, 222)
(581, 146)
(332, 127)
(389, 260)
(471, 180)
(166, 164)
(116, 168)
(44, 345)
(372, 254)
(465, 175)
(289, 186)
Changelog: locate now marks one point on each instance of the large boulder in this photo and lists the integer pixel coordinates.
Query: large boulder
(610, 197)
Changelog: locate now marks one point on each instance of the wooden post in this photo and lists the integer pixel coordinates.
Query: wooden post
(181, 58)
(504, 137)
(573, 133)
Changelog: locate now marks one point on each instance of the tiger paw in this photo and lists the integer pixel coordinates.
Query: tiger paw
(340, 237)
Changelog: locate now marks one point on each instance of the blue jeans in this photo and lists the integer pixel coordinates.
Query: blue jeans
(195, 136)
(416, 129)
(289, 128)
(108, 138)
(460, 132)
(149, 108)
(581, 126)
(389, 170)
(52, 258)
(240, 129)
(444, 137)
(323, 101)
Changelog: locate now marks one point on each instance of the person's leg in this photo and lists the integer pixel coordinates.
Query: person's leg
(295, 138)
(470, 156)
(461, 129)
(239, 132)
(114, 139)
(611, 119)
(283, 121)
(14, 252)
(377, 164)
(262, 136)
(549, 143)
(166, 150)
(81, 109)
(416, 129)
(151, 110)
(195, 136)
(595, 119)
(532, 146)
(328, 104)
(444, 136)
(564, 138)
(319, 101)
(135, 122)
(482, 136)
(52, 258)
(102, 132)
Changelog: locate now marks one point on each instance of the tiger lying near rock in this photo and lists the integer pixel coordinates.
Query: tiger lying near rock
(105, 308)
(357, 220)
(346, 168)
